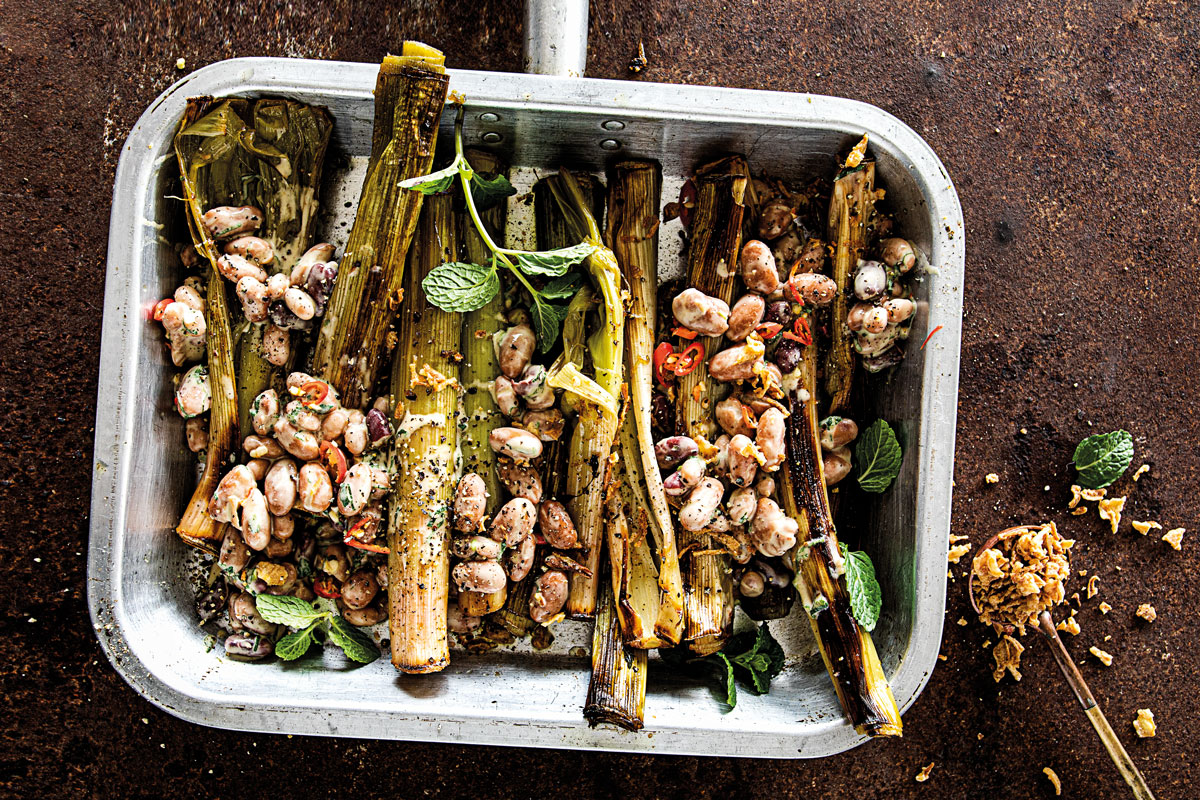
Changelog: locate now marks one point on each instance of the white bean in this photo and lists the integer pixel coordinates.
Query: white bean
(701, 505)
(300, 303)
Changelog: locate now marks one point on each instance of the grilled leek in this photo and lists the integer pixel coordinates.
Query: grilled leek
(617, 691)
(409, 95)
(423, 459)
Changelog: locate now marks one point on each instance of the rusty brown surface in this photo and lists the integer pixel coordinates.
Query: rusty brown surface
(1070, 131)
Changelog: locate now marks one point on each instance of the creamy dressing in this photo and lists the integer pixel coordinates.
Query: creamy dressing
(414, 422)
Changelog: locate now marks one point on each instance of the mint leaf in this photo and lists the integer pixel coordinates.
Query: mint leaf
(354, 643)
(435, 182)
(764, 660)
(1102, 458)
(553, 262)
(563, 288)
(487, 192)
(294, 645)
(730, 685)
(547, 320)
(459, 286)
(290, 611)
(866, 598)
(878, 455)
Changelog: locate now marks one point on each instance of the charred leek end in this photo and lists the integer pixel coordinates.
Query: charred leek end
(409, 96)
(617, 691)
(479, 368)
(851, 221)
(847, 649)
(712, 268)
(597, 424)
(424, 392)
(634, 194)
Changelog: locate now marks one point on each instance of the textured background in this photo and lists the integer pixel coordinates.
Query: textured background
(1069, 128)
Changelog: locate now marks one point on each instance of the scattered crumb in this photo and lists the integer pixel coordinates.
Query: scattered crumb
(992, 477)
(1093, 586)
(1174, 537)
(1075, 598)
(1093, 495)
(1144, 725)
(1142, 470)
(962, 621)
(1105, 658)
(979, 736)
(180, 63)
(1078, 511)
(1147, 612)
(1083, 573)
(1108, 637)
(923, 775)
(1145, 527)
(1111, 510)
(1076, 496)
(1008, 657)
(1105, 607)
(1054, 781)
(956, 538)
(957, 552)
(1070, 625)
(941, 657)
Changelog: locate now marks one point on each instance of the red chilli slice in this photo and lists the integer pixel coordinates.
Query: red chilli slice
(661, 354)
(930, 336)
(160, 307)
(689, 359)
(335, 461)
(325, 587)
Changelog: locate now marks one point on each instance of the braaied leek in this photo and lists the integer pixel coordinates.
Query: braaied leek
(851, 220)
(617, 690)
(596, 401)
(847, 649)
(712, 268)
(268, 154)
(424, 393)
(409, 95)
(634, 193)
(479, 369)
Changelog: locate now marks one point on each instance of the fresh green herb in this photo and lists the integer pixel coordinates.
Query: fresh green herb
(309, 622)
(466, 287)
(563, 288)
(754, 657)
(866, 598)
(878, 455)
(354, 643)
(1102, 458)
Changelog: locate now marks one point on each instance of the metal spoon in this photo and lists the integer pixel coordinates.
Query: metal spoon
(1083, 694)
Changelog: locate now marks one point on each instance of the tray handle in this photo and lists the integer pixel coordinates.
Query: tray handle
(556, 33)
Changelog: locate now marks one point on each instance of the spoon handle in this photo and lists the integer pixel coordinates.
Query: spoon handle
(1108, 737)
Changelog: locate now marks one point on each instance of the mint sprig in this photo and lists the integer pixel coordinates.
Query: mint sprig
(1102, 458)
(310, 622)
(878, 455)
(866, 598)
(754, 657)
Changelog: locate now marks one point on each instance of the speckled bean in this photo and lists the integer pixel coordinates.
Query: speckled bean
(261, 447)
(837, 432)
(674, 450)
(759, 270)
(521, 480)
(743, 465)
(515, 443)
(251, 248)
(734, 417)
(248, 647)
(470, 502)
(258, 467)
(836, 465)
(774, 218)
(234, 554)
(772, 532)
(244, 612)
(356, 436)
(898, 253)
(485, 577)
(360, 589)
(870, 280)
(355, 491)
(742, 504)
(193, 395)
(225, 222)
(235, 268)
(514, 521)
(556, 525)
(736, 363)
(519, 560)
(301, 444)
(230, 493)
(770, 438)
(476, 548)
(696, 311)
(814, 289)
(366, 617)
(266, 412)
(747, 313)
(898, 309)
(765, 487)
(688, 475)
(549, 596)
(458, 622)
(697, 512)
(300, 303)
(505, 395)
(516, 348)
(255, 521)
(196, 430)
(314, 489)
(546, 424)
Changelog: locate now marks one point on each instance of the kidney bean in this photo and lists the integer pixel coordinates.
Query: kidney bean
(549, 596)
(248, 647)
(230, 493)
(354, 492)
(870, 280)
(360, 589)
(266, 412)
(788, 355)
(365, 617)
(225, 222)
(281, 316)
(689, 474)
(213, 601)
(516, 348)
(556, 525)
(318, 284)
(234, 554)
(193, 396)
(759, 270)
(745, 316)
(378, 428)
(836, 465)
(775, 217)
(243, 611)
(662, 414)
(485, 577)
(314, 488)
(673, 450)
(814, 288)
(515, 443)
(735, 418)
(521, 480)
(519, 560)
(743, 465)
(772, 532)
(514, 521)
(770, 439)
(696, 311)
(697, 512)
(470, 502)
(742, 504)
(780, 311)
(736, 363)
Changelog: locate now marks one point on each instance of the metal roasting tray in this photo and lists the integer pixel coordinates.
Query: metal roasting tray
(139, 594)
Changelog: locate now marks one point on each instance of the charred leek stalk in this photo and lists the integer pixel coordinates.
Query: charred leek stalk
(596, 401)
(851, 220)
(478, 370)
(712, 268)
(268, 154)
(617, 691)
(847, 649)
(634, 193)
(409, 95)
(425, 395)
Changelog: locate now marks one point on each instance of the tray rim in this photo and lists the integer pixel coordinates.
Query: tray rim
(619, 98)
